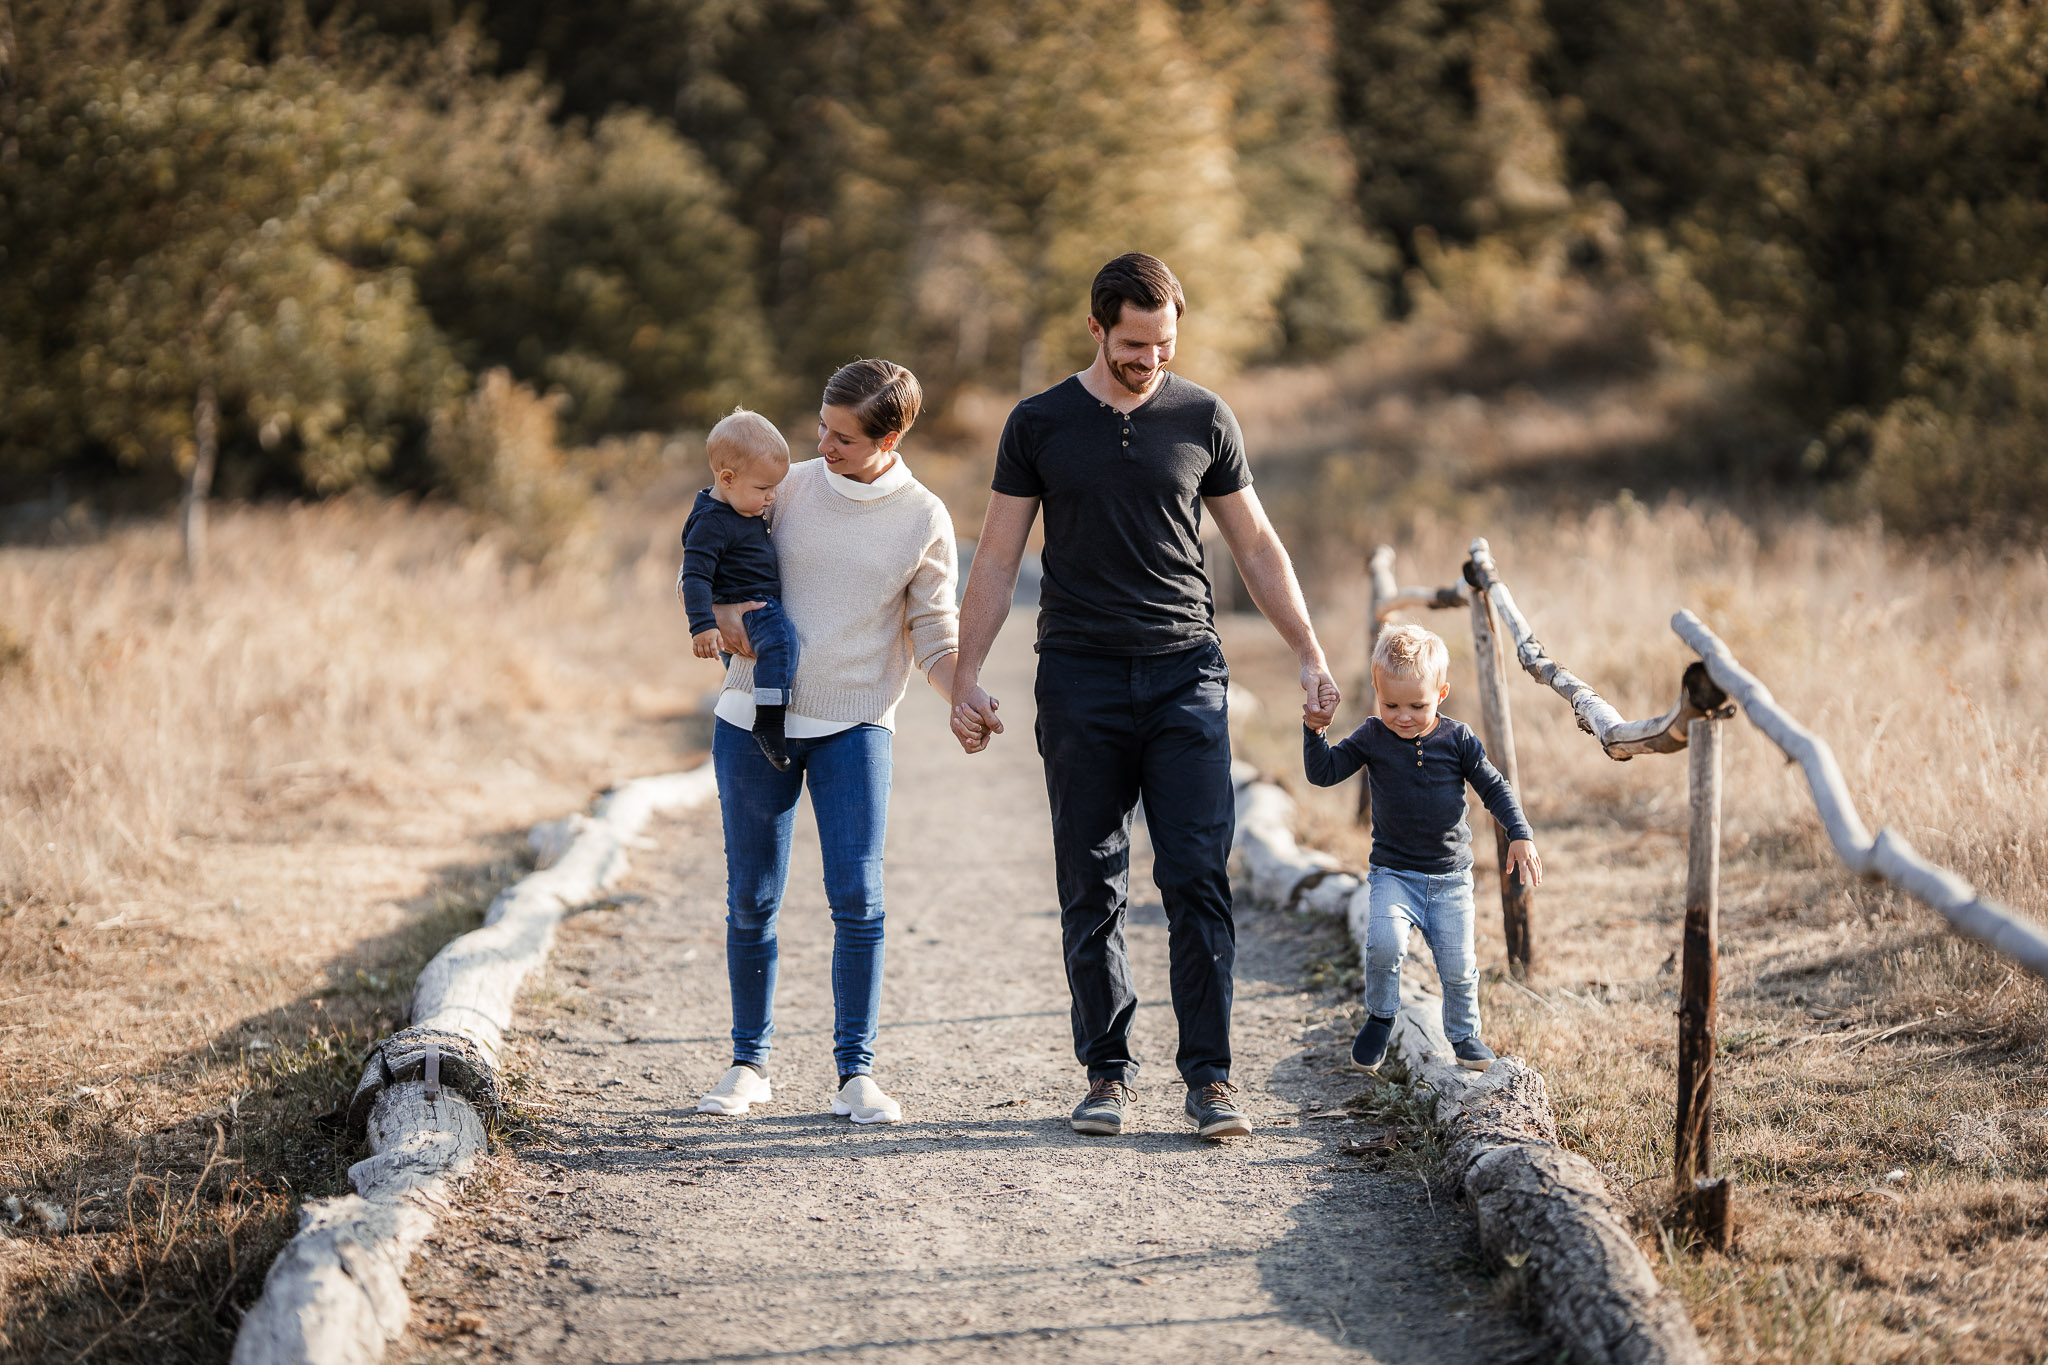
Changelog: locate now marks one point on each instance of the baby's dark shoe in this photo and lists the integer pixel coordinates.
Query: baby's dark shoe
(768, 734)
(1473, 1055)
(1369, 1048)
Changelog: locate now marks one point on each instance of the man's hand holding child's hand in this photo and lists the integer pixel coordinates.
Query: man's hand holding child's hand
(707, 644)
(1320, 697)
(1522, 854)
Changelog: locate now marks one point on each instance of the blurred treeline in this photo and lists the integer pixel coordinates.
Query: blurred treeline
(403, 243)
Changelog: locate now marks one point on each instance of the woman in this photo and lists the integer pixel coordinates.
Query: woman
(868, 571)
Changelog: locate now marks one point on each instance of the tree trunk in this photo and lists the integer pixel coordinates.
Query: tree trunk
(199, 480)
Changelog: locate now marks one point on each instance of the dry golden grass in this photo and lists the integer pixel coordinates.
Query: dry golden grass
(1882, 1098)
(235, 817)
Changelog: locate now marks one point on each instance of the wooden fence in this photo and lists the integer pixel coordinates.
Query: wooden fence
(1709, 692)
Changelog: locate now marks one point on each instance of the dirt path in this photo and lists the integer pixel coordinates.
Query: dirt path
(981, 1227)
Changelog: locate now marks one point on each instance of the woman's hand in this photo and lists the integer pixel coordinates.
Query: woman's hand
(975, 721)
(733, 627)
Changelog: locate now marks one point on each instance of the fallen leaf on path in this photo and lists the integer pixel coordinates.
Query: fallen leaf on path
(1388, 1141)
(1008, 1104)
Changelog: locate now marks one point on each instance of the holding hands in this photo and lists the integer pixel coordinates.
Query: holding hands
(975, 721)
(1321, 696)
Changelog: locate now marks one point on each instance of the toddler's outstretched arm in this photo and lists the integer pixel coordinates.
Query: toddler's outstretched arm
(1328, 764)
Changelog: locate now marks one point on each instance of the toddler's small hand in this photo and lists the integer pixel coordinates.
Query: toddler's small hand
(1522, 856)
(707, 644)
(1320, 697)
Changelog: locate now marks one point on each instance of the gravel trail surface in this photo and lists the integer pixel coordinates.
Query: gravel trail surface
(981, 1227)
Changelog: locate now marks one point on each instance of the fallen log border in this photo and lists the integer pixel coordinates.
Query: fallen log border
(336, 1293)
(1537, 1205)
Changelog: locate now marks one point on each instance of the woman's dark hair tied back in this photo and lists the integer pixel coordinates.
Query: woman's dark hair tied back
(883, 396)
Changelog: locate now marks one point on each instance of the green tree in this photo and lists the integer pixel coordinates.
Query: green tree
(1069, 133)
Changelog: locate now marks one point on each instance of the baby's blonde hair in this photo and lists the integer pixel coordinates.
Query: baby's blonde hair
(1412, 652)
(741, 438)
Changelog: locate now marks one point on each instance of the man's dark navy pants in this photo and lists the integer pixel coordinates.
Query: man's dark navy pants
(1112, 730)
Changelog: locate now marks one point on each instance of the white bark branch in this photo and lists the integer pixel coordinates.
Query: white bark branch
(1622, 739)
(1886, 856)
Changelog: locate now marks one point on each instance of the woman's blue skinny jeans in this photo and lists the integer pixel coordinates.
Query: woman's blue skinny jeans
(848, 774)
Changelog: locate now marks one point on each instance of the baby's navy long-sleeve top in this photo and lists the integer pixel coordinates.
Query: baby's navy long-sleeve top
(1418, 791)
(726, 558)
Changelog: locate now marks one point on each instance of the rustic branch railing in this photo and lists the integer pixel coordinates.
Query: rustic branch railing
(1886, 856)
(1704, 699)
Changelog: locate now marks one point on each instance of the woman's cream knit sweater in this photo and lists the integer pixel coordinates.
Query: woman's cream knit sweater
(869, 586)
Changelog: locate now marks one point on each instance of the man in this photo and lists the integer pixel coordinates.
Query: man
(1123, 457)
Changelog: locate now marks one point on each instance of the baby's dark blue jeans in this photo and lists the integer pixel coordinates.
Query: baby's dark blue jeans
(773, 637)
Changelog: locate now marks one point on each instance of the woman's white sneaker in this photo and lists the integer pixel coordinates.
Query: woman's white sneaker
(861, 1100)
(737, 1091)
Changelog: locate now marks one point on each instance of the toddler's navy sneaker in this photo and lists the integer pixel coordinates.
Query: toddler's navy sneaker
(1473, 1055)
(1369, 1048)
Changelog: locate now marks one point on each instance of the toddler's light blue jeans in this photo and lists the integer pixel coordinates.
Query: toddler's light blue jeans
(1441, 907)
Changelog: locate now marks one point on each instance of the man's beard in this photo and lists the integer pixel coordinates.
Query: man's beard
(1127, 375)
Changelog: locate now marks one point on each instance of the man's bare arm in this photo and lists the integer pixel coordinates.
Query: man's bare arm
(1269, 574)
(983, 608)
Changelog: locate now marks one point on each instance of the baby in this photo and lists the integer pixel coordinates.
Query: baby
(1421, 876)
(728, 557)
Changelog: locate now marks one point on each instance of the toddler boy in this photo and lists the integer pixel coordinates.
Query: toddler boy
(728, 557)
(1421, 875)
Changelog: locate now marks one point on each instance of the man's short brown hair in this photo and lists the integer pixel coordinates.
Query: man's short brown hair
(1133, 278)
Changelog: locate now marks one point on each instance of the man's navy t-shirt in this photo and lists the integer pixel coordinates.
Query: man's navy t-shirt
(1123, 514)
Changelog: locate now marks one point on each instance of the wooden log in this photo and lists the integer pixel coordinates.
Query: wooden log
(1497, 730)
(336, 1294)
(1276, 870)
(470, 985)
(1693, 1147)
(1621, 739)
(1547, 1210)
(1887, 856)
(1536, 1205)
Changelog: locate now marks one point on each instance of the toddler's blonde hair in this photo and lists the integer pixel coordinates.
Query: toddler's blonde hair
(741, 438)
(1412, 652)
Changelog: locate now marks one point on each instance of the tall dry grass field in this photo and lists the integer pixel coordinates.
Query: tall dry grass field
(1882, 1098)
(235, 816)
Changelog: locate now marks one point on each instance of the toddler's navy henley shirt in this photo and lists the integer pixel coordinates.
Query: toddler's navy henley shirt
(1418, 791)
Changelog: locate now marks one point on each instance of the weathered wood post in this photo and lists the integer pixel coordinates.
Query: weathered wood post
(1385, 587)
(1701, 1199)
(1498, 731)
